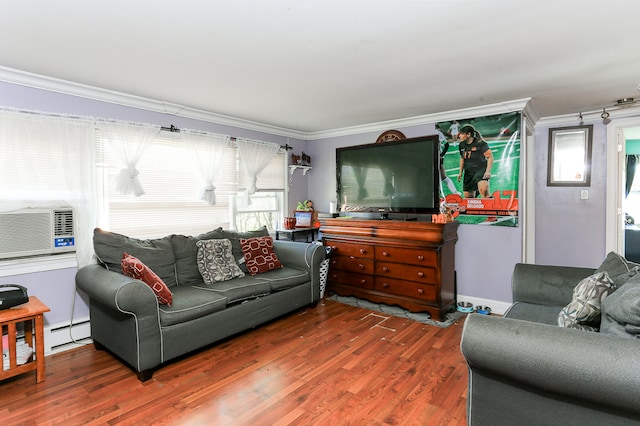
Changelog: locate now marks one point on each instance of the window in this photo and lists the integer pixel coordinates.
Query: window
(46, 160)
(265, 210)
(172, 183)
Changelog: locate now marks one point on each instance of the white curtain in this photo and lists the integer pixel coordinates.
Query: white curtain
(254, 156)
(47, 160)
(130, 139)
(209, 149)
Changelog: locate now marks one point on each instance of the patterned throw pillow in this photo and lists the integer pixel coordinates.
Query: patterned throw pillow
(585, 309)
(134, 268)
(216, 262)
(259, 255)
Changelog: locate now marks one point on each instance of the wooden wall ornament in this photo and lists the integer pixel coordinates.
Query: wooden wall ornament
(390, 136)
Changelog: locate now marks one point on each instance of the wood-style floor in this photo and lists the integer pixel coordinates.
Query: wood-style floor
(329, 365)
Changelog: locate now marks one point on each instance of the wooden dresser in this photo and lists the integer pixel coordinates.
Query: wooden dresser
(404, 263)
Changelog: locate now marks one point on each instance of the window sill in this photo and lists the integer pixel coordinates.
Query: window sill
(10, 267)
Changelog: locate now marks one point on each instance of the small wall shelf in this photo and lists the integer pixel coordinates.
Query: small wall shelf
(293, 167)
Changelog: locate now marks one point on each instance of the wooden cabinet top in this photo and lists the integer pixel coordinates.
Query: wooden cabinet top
(391, 229)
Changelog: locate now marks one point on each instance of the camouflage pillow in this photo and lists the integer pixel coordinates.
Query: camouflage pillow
(584, 310)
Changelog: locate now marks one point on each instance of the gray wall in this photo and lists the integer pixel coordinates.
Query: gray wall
(571, 231)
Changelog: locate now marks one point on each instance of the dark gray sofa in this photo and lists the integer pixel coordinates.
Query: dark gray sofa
(524, 369)
(127, 320)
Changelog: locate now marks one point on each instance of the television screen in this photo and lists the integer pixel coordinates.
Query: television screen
(400, 176)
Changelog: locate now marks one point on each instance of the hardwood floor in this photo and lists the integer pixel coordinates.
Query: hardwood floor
(330, 365)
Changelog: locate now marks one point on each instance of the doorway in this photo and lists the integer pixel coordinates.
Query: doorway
(623, 211)
(631, 193)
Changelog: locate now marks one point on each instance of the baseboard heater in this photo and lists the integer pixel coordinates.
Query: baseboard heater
(63, 336)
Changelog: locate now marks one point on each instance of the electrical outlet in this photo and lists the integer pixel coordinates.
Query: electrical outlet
(584, 194)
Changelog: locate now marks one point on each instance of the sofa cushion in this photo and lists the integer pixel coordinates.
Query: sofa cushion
(235, 236)
(190, 303)
(584, 310)
(621, 310)
(283, 278)
(239, 289)
(216, 262)
(543, 314)
(134, 268)
(157, 254)
(259, 255)
(618, 268)
(186, 253)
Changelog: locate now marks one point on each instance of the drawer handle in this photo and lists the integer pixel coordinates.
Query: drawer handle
(384, 253)
(360, 265)
(334, 276)
(385, 285)
(333, 262)
(420, 291)
(362, 251)
(385, 269)
(421, 258)
(421, 274)
(363, 281)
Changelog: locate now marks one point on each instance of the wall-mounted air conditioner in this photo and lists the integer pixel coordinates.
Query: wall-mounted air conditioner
(36, 231)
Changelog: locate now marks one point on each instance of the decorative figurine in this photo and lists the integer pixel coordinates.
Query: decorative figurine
(306, 159)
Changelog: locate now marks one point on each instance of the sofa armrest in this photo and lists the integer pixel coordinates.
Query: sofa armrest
(553, 363)
(124, 316)
(303, 256)
(117, 291)
(546, 284)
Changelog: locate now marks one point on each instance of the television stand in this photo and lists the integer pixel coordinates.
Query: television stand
(409, 264)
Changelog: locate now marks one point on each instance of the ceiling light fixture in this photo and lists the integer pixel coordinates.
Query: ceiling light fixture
(625, 101)
(605, 117)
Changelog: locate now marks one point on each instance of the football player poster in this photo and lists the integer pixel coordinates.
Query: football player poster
(480, 168)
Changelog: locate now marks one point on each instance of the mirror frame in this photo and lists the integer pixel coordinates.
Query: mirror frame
(586, 136)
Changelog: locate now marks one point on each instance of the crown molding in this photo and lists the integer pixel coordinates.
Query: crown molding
(66, 87)
(491, 109)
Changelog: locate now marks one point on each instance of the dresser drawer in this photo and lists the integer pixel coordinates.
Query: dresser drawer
(423, 274)
(351, 249)
(351, 278)
(406, 255)
(406, 288)
(353, 264)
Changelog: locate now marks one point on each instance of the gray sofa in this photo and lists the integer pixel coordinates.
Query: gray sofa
(127, 319)
(525, 369)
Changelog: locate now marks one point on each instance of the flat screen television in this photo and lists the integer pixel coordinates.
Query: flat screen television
(390, 177)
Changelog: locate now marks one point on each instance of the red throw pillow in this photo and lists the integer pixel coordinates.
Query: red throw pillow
(134, 268)
(259, 255)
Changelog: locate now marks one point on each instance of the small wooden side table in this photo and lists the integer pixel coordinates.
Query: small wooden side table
(31, 314)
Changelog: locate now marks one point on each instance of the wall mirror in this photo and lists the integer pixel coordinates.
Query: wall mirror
(570, 156)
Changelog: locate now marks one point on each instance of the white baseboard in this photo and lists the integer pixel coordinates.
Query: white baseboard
(497, 307)
(62, 337)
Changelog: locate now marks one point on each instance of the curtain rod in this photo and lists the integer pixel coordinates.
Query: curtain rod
(174, 129)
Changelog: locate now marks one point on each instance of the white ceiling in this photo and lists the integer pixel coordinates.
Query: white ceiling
(318, 65)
